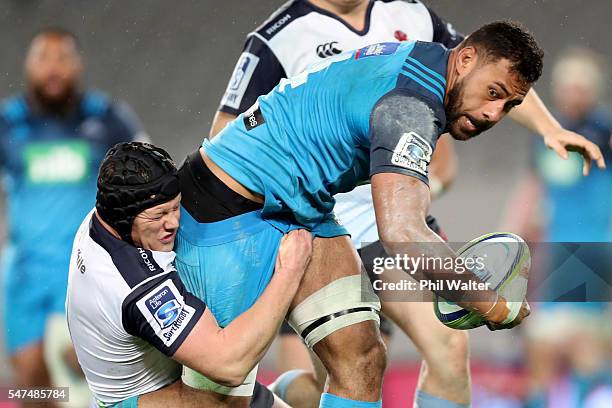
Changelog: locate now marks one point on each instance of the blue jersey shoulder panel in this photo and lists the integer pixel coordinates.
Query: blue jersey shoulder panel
(424, 70)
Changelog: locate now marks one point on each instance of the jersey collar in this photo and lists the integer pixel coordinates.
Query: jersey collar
(366, 27)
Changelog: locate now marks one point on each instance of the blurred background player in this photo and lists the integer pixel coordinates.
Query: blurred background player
(52, 139)
(304, 32)
(554, 203)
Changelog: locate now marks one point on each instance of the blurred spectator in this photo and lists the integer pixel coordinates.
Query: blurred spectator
(555, 203)
(52, 139)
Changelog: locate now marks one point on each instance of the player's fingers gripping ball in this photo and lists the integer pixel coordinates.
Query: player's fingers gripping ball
(523, 313)
(507, 261)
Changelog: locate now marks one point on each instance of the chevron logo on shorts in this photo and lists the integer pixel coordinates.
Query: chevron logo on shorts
(328, 49)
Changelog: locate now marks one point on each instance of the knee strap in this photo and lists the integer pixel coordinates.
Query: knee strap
(344, 302)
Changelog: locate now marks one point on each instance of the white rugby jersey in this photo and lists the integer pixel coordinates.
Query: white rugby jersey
(127, 312)
(299, 34)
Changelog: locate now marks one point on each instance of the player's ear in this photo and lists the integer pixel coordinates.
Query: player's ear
(466, 60)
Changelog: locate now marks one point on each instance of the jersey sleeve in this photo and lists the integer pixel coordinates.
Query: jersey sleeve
(162, 312)
(256, 73)
(404, 129)
(443, 31)
(123, 124)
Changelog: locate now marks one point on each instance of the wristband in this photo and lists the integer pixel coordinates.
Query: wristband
(435, 186)
(514, 309)
(493, 306)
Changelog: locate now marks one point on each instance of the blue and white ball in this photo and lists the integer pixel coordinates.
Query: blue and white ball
(506, 259)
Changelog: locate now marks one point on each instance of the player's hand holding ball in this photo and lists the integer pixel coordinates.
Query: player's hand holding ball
(508, 322)
(506, 316)
(507, 261)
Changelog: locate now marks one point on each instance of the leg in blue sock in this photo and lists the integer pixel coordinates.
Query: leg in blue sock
(333, 401)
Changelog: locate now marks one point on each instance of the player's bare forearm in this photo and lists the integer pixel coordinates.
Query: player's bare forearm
(219, 121)
(534, 115)
(401, 204)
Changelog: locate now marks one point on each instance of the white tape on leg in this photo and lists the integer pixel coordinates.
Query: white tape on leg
(514, 309)
(344, 302)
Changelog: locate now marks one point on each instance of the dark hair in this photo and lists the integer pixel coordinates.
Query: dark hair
(55, 31)
(512, 41)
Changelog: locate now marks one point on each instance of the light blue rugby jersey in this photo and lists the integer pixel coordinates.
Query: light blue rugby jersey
(50, 167)
(309, 138)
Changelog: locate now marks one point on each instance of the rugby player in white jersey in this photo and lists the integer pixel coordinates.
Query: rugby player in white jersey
(131, 320)
(303, 32)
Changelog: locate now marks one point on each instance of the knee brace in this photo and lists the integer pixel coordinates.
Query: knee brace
(343, 302)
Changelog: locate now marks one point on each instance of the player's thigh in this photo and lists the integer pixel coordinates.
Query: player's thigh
(181, 396)
(335, 300)
(436, 342)
(332, 259)
(337, 307)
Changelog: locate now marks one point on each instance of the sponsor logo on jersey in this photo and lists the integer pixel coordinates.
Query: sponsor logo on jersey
(253, 117)
(278, 24)
(375, 50)
(400, 35)
(328, 49)
(240, 80)
(166, 312)
(243, 64)
(57, 162)
(145, 259)
(164, 306)
(412, 152)
(80, 262)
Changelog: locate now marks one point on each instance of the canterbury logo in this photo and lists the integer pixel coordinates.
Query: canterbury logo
(328, 49)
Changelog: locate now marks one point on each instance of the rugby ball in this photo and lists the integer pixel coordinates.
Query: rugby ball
(504, 264)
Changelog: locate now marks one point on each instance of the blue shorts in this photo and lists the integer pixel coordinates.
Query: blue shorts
(32, 291)
(131, 402)
(229, 263)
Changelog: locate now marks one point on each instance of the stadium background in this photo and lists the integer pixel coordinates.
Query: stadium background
(171, 62)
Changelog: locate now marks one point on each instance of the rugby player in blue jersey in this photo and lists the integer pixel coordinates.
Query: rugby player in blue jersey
(376, 114)
(302, 32)
(52, 139)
